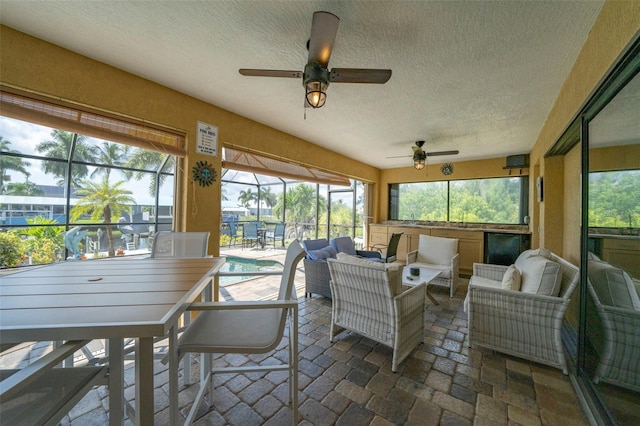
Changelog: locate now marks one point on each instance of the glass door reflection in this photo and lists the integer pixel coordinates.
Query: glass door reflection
(612, 314)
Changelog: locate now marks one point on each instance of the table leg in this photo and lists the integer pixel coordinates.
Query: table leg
(116, 381)
(144, 381)
(434, 301)
(173, 375)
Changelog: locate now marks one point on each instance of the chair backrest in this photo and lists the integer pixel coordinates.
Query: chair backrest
(295, 253)
(310, 245)
(365, 291)
(436, 250)
(279, 231)
(344, 245)
(392, 248)
(232, 227)
(250, 230)
(180, 244)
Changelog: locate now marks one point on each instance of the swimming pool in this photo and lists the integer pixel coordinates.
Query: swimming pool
(241, 264)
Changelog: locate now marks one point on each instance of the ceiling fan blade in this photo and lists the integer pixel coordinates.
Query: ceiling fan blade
(433, 154)
(359, 75)
(324, 28)
(270, 73)
(400, 156)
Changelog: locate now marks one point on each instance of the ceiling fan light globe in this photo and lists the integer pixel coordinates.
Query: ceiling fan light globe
(316, 93)
(419, 163)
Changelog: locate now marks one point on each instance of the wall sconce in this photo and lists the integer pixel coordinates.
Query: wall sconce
(316, 81)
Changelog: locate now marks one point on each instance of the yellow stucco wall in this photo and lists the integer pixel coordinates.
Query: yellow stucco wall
(617, 24)
(31, 64)
(557, 219)
(623, 157)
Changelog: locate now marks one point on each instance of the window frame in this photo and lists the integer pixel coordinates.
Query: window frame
(523, 204)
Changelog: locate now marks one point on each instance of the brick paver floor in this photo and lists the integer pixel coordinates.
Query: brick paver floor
(349, 382)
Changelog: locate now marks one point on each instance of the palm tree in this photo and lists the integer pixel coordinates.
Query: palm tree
(7, 162)
(301, 207)
(267, 197)
(102, 201)
(247, 197)
(152, 161)
(110, 154)
(59, 147)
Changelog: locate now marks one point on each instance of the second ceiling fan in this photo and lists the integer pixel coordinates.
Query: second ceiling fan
(316, 75)
(420, 156)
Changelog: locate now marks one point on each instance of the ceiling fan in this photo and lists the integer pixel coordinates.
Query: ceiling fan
(420, 156)
(316, 75)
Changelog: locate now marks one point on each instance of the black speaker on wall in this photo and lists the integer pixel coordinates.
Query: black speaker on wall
(515, 161)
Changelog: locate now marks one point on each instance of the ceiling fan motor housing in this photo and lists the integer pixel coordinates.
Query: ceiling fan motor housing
(315, 72)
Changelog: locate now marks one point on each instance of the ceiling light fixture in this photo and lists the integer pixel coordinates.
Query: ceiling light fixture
(316, 81)
(419, 159)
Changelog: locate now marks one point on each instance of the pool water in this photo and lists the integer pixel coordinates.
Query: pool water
(241, 264)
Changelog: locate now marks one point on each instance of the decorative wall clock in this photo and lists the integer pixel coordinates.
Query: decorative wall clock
(204, 173)
(446, 169)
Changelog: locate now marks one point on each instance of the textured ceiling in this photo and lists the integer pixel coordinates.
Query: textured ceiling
(476, 76)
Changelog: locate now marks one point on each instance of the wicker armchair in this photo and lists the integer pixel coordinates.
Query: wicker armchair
(526, 325)
(616, 301)
(368, 299)
(316, 272)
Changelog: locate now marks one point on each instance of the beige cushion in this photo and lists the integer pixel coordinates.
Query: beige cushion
(540, 276)
(394, 269)
(511, 279)
(445, 270)
(436, 250)
(477, 281)
(531, 252)
(613, 285)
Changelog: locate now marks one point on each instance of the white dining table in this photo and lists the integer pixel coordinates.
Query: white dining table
(109, 299)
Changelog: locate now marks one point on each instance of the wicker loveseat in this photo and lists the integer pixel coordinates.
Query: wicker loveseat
(369, 299)
(522, 322)
(316, 271)
(616, 300)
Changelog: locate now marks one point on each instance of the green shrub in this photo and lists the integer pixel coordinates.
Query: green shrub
(10, 250)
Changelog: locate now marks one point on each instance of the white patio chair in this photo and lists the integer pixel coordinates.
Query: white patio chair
(184, 245)
(181, 245)
(253, 327)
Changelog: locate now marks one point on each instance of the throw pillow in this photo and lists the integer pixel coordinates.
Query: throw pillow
(344, 245)
(592, 256)
(531, 252)
(613, 285)
(511, 279)
(322, 254)
(541, 276)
